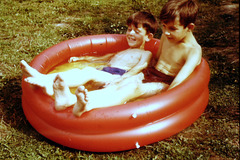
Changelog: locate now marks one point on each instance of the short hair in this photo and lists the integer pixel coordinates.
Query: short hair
(147, 20)
(187, 11)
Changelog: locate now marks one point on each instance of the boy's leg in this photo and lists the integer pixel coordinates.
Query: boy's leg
(77, 77)
(150, 89)
(72, 78)
(141, 90)
(63, 97)
(114, 94)
(38, 79)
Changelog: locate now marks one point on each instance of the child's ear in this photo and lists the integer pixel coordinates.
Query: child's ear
(191, 26)
(149, 37)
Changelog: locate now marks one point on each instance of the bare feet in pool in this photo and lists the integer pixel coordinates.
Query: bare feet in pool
(63, 97)
(36, 78)
(28, 71)
(82, 100)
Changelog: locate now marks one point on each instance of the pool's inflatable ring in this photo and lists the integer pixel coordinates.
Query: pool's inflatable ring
(115, 128)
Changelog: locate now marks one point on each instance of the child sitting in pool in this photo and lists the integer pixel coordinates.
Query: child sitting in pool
(141, 27)
(178, 55)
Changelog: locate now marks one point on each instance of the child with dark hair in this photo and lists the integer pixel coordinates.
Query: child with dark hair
(177, 57)
(179, 53)
(147, 20)
(124, 64)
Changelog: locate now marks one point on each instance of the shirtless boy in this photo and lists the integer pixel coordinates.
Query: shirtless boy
(178, 55)
(141, 27)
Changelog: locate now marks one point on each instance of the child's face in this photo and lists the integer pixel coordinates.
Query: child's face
(136, 37)
(174, 31)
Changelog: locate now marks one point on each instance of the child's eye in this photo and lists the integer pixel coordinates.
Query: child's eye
(172, 28)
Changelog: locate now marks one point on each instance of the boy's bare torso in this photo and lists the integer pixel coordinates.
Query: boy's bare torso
(128, 59)
(173, 56)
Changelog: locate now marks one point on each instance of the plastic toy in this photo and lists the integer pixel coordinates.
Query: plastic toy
(115, 128)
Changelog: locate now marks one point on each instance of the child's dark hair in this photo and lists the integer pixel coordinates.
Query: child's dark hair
(147, 20)
(186, 10)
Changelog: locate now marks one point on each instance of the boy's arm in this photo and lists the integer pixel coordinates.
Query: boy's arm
(155, 58)
(160, 47)
(91, 58)
(142, 64)
(193, 60)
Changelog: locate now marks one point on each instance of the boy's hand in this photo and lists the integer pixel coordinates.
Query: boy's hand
(135, 70)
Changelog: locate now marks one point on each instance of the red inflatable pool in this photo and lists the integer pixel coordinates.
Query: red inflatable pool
(115, 128)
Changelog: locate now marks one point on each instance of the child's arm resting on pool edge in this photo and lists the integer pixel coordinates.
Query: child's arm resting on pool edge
(91, 58)
(192, 61)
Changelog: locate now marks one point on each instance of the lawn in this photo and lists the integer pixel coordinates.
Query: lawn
(30, 26)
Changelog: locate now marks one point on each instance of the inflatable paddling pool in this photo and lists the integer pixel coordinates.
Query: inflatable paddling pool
(115, 128)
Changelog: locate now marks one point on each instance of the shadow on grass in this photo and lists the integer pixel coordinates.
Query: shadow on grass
(11, 107)
(21, 130)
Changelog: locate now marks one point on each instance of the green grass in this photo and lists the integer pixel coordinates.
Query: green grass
(27, 27)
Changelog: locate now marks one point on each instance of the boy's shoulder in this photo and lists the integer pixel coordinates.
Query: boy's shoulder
(192, 47)
(193, 52)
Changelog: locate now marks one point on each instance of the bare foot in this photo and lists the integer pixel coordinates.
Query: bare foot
(44, 83)
(36, 78)
(27, 70)
(63, 97)
(82, 100)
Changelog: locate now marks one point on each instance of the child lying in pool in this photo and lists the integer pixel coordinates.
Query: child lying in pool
(141, 27)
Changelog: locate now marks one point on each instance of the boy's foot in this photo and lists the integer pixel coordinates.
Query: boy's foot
(37, 79)
(63, 97)
(42, 82)
(27, 70)
(82, 100)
